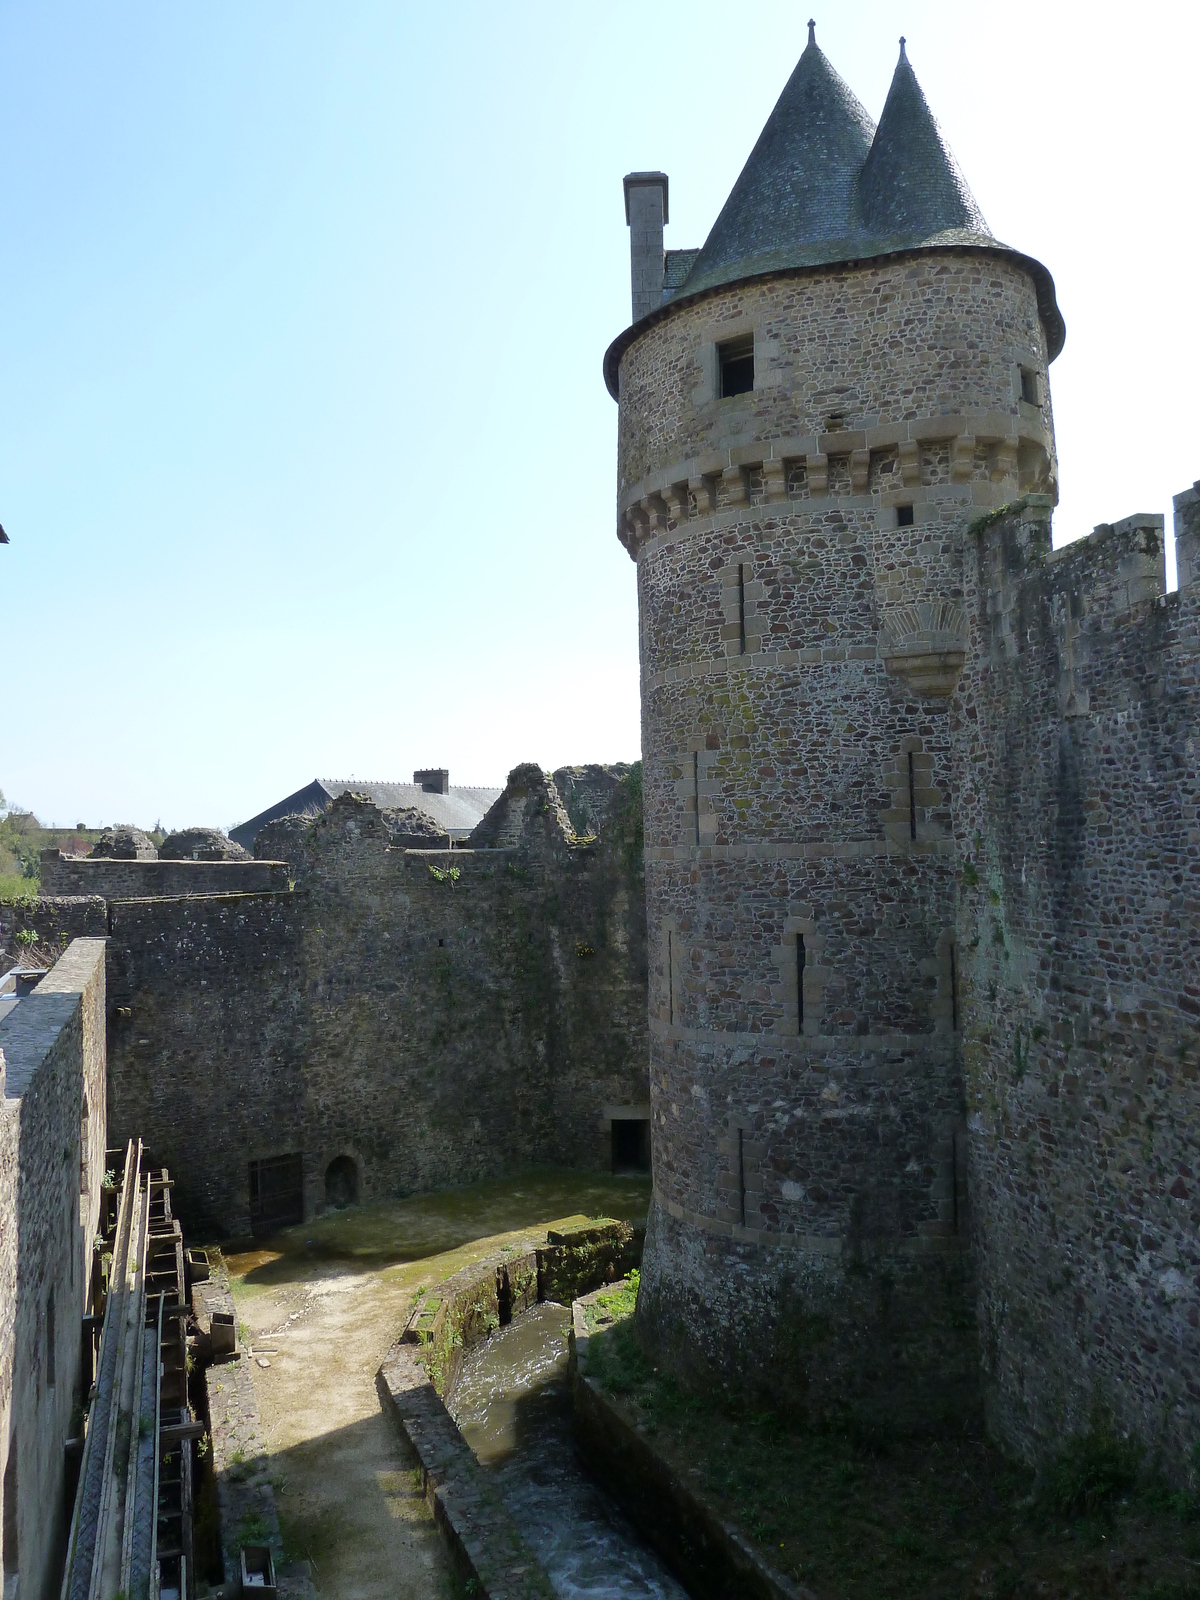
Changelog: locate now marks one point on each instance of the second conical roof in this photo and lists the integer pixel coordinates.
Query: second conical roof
(911, 184)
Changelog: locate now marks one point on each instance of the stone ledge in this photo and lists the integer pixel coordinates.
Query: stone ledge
(484, 1540)
(712, 1557)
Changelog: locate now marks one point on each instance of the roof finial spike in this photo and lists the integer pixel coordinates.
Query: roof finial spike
(903, 57)
(812, 31)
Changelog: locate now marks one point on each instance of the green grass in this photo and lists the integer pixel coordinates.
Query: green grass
(446, 1223)
(900, 1518)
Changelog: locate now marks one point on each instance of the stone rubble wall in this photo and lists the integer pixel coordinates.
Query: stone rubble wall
(1078, 834)
(52, 1153)
(436, 1016)
(139, 880)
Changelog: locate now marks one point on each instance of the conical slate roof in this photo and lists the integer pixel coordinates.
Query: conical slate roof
(800, 185)
(911, 184)
(824, 186)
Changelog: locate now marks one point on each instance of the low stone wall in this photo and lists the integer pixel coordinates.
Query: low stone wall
(52, 1154)
(153, 880)
(486, 1544)
(711, 1556)
(580, 1256)
(422, 1366)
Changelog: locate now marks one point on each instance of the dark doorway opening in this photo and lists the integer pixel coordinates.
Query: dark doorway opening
(341, 1183)
(276, 1192)
(630, 1145)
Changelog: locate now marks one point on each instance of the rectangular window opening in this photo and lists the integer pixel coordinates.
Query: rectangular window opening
(912, 800)
(737, 366)
(1030, 389)
(696, 789)
(742, 608)
(670, 978)
(904, 516)
(741, 1178)
(630, 1145)
(801, 958)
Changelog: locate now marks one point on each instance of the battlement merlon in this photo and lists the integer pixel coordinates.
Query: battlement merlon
(1187, 535)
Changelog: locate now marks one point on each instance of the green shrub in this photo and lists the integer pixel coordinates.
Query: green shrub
(1091, 1471)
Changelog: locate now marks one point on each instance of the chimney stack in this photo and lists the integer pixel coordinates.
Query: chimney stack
(646, 213)
(434, 780)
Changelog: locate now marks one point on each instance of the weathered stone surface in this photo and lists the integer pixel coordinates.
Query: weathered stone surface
(436, 1017)
(52, 1150)
(201, 844)
(1077, 829)
(72, 876)
(124, 843)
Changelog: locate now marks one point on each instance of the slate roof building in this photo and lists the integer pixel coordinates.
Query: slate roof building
(456, 809)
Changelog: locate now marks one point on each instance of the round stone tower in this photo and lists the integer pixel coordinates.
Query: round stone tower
(813, 408)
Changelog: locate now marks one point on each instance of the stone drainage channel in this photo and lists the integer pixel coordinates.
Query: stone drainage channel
(511, 1400)
(497, 1411)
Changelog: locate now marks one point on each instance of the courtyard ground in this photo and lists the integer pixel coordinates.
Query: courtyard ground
(321, 1304)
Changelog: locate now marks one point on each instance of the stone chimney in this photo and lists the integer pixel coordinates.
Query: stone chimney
(646, 213)
(435, 780)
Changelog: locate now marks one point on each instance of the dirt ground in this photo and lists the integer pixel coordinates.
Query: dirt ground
(321, 1304)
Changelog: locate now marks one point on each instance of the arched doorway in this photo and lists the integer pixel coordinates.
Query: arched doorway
(341, 1183)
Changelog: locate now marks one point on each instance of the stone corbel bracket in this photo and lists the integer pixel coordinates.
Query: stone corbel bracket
(925, 645)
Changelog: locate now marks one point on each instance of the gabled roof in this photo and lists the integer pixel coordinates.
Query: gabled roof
(457, 812)
(824, 186)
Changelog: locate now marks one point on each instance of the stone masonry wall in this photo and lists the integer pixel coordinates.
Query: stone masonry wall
(52, 1150)
(1078, 833)
(896, 351)
(436, 1016)
(136, 880)
(800, 648)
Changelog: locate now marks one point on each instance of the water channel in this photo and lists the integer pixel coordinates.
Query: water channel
(512, 1404)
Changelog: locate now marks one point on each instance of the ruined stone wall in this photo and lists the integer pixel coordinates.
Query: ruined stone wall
(1078, 832)
(436, 1016)
(135, 880)
(52, 1150)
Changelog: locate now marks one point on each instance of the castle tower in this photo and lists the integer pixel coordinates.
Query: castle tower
(813, 407)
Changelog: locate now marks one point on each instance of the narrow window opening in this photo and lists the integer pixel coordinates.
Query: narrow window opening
(737, 366)
(954, 1174)
(51, 1341)
(741, 1178)
(904, 516)
(696, 789)
(801, 957)
(953, 991)
(1029, 387)
(912, 800)
(670, 978)
(742, 608)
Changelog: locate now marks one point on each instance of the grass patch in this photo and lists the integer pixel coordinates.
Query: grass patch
(867, 1513)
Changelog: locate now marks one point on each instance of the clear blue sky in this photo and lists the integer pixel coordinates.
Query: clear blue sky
(305, 454)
